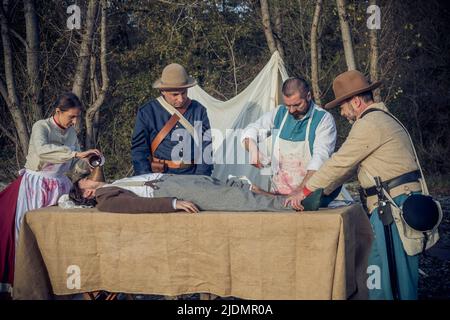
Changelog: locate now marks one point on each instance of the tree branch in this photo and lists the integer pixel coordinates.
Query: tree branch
(4, 92)
(95, 107)
(314, 55)
(346, 36)
(33, 58)
(8, 134)
(10, 89)
(278, 29)
(103, 64)
(265, 15)
(19, 37)
(85, 50)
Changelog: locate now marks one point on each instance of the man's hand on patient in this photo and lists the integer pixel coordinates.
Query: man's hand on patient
(295, 200)
(186, 206)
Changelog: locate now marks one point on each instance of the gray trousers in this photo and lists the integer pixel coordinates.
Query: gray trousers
(210, 194)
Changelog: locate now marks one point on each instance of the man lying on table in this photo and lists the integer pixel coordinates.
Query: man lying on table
(157, 192)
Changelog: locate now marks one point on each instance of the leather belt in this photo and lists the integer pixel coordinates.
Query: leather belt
(173, 164)
(412, 176)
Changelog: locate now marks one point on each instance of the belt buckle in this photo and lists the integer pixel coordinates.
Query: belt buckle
(184, 164)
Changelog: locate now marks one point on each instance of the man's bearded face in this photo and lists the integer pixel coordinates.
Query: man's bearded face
(298, 104)
(348, 112)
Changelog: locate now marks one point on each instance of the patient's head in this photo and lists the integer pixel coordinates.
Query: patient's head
(83, 191)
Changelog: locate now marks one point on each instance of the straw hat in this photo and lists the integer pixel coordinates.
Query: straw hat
(350, 84)
(174, 76)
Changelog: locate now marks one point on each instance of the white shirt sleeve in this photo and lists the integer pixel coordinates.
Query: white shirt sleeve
(174, 203)
(261, 127)
(324, 142)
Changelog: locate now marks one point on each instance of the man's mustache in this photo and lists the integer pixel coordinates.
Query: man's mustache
(298, 114)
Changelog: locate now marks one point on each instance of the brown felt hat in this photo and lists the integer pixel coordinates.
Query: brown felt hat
(174, 76)
(350, 84)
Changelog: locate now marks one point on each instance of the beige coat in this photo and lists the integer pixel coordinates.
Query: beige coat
(376, 144)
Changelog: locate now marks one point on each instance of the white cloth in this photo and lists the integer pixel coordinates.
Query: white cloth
(228, 118)
(137, 185)
(324, 142)
(264, 93)
(38, 190)
(64, 202)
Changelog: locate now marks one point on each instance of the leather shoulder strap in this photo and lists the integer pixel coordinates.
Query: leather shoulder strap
(164, 132)
(422, 180)
(375, 109)
(173, 110)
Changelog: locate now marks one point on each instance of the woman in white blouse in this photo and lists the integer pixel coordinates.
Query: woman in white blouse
(53, 151)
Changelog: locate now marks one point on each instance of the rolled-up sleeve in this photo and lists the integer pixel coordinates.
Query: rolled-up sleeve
(324, 142)
(260, 129)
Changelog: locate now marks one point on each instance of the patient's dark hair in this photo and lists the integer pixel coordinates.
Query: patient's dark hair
(76, 195)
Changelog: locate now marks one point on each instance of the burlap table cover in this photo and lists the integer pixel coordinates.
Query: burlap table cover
(259, 255)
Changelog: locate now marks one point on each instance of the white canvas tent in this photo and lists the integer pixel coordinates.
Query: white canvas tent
(227, 117)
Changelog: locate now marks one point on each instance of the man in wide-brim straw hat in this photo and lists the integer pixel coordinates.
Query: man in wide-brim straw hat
(164, 130)
(377, 146)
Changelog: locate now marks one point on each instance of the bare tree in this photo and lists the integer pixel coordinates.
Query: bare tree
(314, 53)
(278, 29)
(98, 95)
(373, 39)
(230, 44)
(265, 15)
(94, 90)
(302, 30)
(32, 48)
(389, 42)
(346, 36)
(9, 91)
(85, 50)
